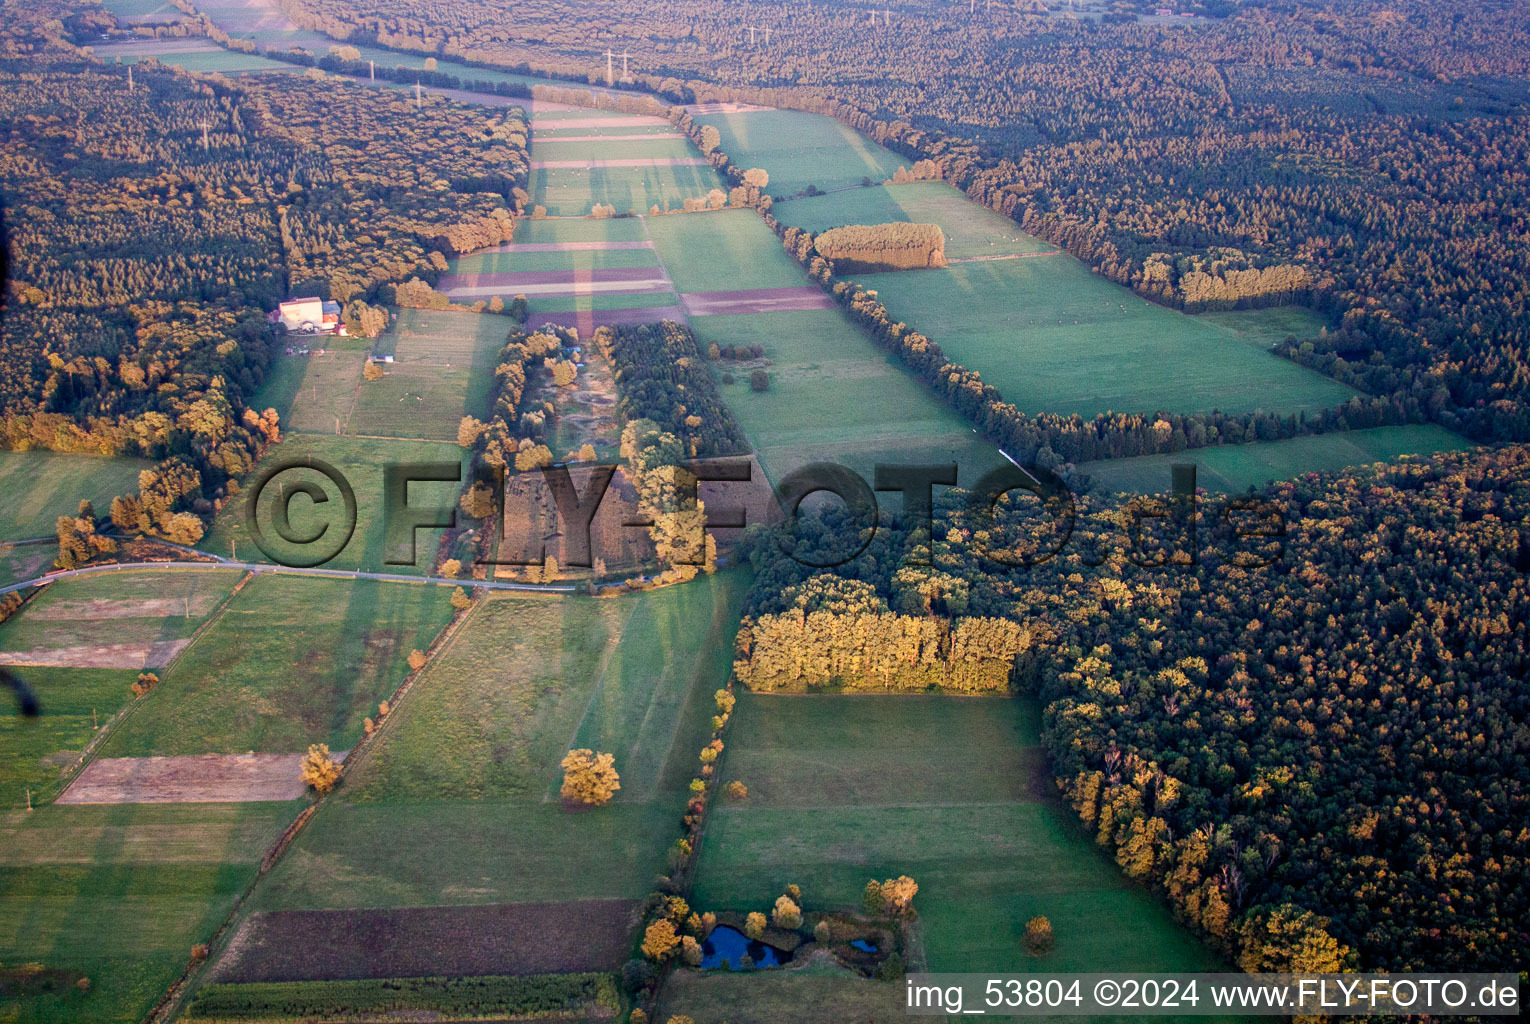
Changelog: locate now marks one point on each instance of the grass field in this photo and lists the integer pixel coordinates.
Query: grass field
(222, 61)
(33, 751)
(583, 259)
(972, 231)
(315, 393)
(129, 607)
(835, 397)
(951, 791)
(41, 486)
(443, 370)
(118, 895)
(552, 147)
(1053, 337)
(20, 562)
(362, 462)
(811, 995)
(556, 134)
(713, 252)
(603, 300)
(562, 229)
(291, 661)
(1236, 468)
(802, 149)
(572, 192)
(469, 770)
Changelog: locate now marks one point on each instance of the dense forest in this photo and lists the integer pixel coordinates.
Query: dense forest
(1330, 726)
(149, 229)
(1366, 158)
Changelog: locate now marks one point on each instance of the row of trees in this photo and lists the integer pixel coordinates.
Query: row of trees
(662, 377)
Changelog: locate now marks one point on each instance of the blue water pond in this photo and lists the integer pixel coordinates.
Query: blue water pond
(864, 946)
(732, 945)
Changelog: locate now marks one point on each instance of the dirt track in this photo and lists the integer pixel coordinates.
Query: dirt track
(759, 300)
(132, 655)
(198, 779)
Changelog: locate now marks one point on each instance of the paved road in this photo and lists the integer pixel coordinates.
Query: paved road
(263, 567)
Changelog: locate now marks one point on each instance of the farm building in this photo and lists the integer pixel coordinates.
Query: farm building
(309, 316)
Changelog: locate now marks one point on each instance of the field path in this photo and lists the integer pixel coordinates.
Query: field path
(266, 567)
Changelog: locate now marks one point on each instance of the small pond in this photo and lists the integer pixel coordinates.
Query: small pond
(864, 946)
(731, 945)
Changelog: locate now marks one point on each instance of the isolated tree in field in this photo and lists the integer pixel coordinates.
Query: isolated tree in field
(589, 778)
(460, 599)
(146, 682)
(759, 380)
(787, 914)
(1038, 935)
(319, 769)
(736, 790)
(451, 568)
(372, 370)
(416, 660)
(754, 925)
(660, 940)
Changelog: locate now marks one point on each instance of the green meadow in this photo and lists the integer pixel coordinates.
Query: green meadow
(40, 486)
(1055, 338)
(835, 397)
(572, 192)
(972, 231)
(109, 900)
(1235, 468)
(290, 661)
(442, 370)
(552, 147)
(362, 462)
(802, 149)
(722, 251)
(952, 791)
(469, 768)
(499, 262)
(579, 229)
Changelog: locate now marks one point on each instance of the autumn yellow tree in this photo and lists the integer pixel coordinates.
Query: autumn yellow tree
(1038, 935)
(589, 778)
(320, 771)
(660, 940)
(754, 925)
(787, 914)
